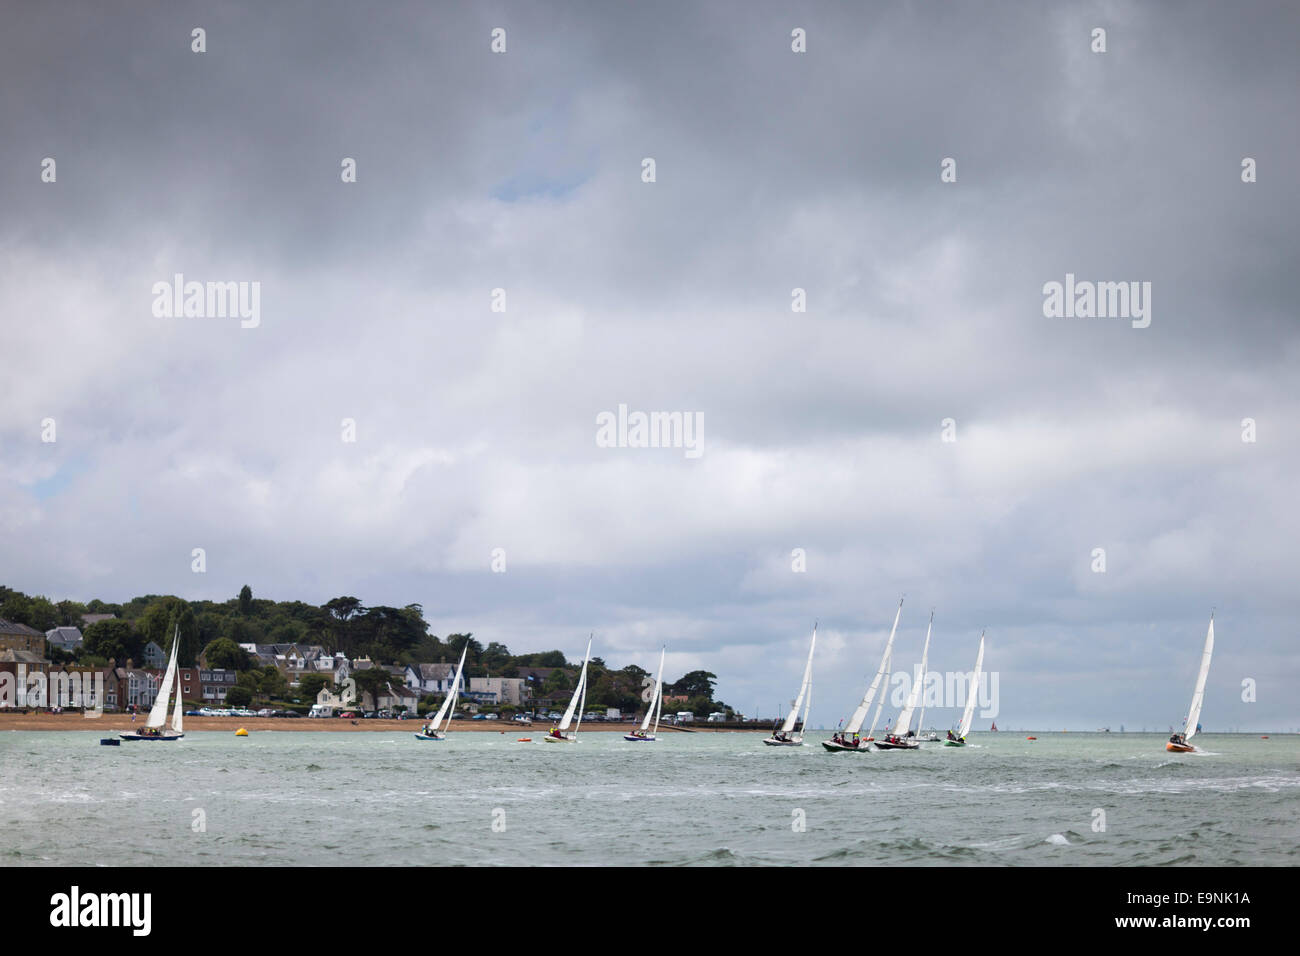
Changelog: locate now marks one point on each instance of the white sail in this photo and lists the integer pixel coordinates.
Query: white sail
(969, 713)
(578, 692)
(860, 715)
(1198, 696)
(659, 679)
(659, 695)
(792, 717)
(178, 715)
(904, 722)
(158, 713)
(449, 702)
(880, 705)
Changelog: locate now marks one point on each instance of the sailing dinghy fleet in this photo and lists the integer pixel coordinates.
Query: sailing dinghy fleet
(791, 732)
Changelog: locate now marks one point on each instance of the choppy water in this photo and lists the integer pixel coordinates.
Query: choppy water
(714, 799)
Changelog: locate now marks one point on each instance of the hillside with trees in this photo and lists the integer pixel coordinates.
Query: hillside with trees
(214, 630)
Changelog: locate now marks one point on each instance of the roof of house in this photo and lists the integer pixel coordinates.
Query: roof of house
(13, 627)
(11, 656)
(64, 635)
(96, 618)
(433, 671)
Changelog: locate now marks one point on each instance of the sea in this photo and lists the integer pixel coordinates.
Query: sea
(689, 799)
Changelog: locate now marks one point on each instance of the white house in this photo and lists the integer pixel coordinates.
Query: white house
(432, 678)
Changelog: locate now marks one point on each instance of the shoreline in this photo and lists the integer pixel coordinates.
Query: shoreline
(117, 723)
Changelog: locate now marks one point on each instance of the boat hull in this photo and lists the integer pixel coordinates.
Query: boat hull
(771, 742)
(134, 735)
(430, 736)
(1174, 748)
(954, 743)
(834, 747)
(882, 745)
(559, 740)
(633, 738)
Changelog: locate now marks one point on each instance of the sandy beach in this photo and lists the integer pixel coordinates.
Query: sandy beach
(114, 723)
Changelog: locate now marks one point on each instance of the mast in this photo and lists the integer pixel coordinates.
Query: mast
(904, 722)
(1198, 695)
(860, 715)
(158, 712)
(582, 687)
(793, 716)
(969, 713)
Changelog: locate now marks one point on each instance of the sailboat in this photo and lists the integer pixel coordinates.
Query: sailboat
(785, 737)
(435, 729)
(930, 737)
(900, 739)
(559, 735)
(847, 739)
(656, 708)
(1179, 743)
(153, 726)
(959, 740)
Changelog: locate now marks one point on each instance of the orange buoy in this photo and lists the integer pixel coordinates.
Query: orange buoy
(524, 740)
(1031, 738)
(1265, 737)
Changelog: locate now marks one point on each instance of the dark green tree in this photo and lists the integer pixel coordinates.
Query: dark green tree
(245, 600)
(225, 654)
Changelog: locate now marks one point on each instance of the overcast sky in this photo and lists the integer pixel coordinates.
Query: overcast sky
(476, 430)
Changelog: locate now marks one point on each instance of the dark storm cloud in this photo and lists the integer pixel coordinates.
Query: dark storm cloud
(775, 171)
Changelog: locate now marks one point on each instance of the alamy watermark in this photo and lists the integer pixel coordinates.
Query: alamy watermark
(76, 689)
(208, 300)
(1102, 300)
(651, 430)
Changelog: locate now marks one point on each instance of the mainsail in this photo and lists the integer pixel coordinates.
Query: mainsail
(579, 692)
(860, 715)
(449, 702)
(805, 689)
(1198, 696)
(158, 713)
(969, 713)
(656, 702)
(904, 721)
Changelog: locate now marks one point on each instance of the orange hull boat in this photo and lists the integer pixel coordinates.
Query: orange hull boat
(1174, 748)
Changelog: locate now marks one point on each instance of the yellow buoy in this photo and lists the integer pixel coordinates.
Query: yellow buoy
(241, 732)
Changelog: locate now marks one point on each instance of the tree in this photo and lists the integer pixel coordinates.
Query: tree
(239, 697)
(115, 639)
(184, 627)
(695, 684)
(245, 600)
(310, 685)
(373, 680)
(226, 654)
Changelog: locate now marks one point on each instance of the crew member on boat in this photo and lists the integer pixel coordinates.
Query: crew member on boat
(1178, 739)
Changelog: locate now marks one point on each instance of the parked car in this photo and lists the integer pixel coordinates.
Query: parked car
(350, 714)
(193, 713)
(266, 712)
(479, 717)
(554, 715)
(521, 719)
(491, 716)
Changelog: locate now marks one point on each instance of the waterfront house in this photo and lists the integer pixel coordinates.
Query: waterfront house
(432, 678)
(215, 684)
